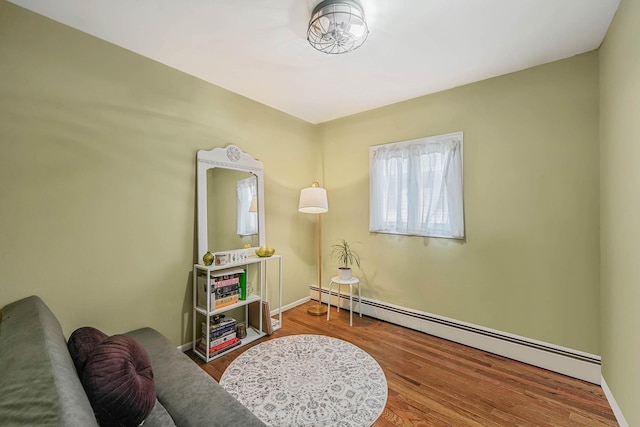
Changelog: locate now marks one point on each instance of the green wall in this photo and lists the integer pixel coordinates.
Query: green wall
(620, 208)
(97, 172)
(98, 145)
(530, 261)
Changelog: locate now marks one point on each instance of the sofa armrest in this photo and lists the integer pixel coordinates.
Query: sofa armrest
(189, 394)
(39, 385)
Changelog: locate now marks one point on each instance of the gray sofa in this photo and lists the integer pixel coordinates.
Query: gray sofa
(39, 385)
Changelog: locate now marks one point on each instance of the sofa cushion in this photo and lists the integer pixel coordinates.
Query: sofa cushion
(82, 343)
(119, 382)
(188, 393)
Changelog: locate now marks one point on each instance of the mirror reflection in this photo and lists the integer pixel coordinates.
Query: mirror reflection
(232, 209)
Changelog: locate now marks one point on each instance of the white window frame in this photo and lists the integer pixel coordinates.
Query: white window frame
(428, 171)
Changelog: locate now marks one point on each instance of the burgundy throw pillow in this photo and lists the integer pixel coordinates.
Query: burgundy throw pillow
(119, 382)
(81, 344)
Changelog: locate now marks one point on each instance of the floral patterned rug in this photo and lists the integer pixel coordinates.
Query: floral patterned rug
(308, 380)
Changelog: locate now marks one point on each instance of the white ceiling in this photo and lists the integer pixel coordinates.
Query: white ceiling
(258, 48)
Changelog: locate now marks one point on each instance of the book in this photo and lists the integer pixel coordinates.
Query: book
(226, 272)
(222, 350)
(227, 304)
(229, 335)
(221, 326)
(226, 282)
(217, 333)
(201, 300)
(227, 290)
(226, 301)
(254, 317)
(219, 321)
(219, 348)
(225, 344)
(243, 285)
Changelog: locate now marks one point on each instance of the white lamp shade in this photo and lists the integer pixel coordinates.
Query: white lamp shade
(313, 200)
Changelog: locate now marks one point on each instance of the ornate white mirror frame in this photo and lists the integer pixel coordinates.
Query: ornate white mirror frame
(233, 158)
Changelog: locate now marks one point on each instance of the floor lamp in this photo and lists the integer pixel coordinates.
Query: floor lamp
(314, 200)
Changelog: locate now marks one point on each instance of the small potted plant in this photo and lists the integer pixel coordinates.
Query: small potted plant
(346, 257)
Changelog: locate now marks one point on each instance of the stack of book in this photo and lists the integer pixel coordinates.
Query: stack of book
(226, 287)
(223, 289)
(220, 337)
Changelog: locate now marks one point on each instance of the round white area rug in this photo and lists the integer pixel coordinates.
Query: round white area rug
(308, 380)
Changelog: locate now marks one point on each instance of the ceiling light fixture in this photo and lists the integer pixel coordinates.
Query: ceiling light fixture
(337, 26)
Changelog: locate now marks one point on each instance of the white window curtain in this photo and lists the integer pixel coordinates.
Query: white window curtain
(247, 221)
(416, 187)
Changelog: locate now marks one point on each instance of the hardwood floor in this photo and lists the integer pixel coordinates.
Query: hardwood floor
(434, 382)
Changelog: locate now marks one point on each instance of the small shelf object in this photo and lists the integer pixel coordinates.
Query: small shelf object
(210, 306)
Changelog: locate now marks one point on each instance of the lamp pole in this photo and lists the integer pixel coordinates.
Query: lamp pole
(320, 309)
(314, 200)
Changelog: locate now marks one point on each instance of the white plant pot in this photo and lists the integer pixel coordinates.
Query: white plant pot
(344, 273)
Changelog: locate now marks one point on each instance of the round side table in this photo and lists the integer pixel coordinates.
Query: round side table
(350, 282)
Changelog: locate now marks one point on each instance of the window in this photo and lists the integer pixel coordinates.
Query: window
(247, 214)
(416, 187)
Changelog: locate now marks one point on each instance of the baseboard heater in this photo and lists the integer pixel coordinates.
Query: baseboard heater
(574, 363)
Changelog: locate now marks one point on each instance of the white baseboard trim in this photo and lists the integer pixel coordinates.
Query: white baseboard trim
(186, 346)
(574, 363)
(290, 306)
(614, 405)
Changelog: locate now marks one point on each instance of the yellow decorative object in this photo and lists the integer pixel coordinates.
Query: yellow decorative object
(265, 251)
(208, 258)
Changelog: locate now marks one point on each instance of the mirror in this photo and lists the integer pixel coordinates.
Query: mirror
(231, 223)
(230, 200)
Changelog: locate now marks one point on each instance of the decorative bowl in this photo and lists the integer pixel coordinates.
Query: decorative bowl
(265, 252)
